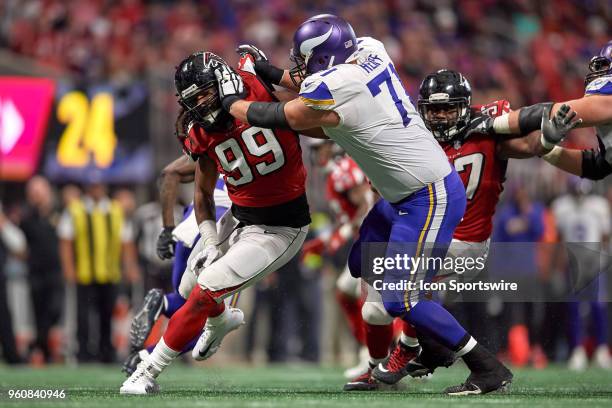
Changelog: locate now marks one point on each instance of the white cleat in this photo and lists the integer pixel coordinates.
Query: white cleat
(578, 360)
(362, 367)
(601, 357)
(210, 339)
(141, 382)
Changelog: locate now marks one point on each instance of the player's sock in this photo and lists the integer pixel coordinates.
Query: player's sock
(378, 338)
(185, 349)
(408, 336)
(189, 320)
(352, 311)
(172, 302)
(476, 356)
(433, 319)
(160, 358)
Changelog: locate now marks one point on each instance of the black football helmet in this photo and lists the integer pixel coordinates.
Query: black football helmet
(447, 91)
(197, 92)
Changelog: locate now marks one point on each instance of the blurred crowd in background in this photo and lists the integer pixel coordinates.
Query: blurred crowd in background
(523, 51)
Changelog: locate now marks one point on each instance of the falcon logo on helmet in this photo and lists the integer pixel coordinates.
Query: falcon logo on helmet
(444, 104)
(320, 43)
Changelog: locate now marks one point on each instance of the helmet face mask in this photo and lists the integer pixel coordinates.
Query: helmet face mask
(600, 65)
(298, 72)
(444, 104)
(204, 106)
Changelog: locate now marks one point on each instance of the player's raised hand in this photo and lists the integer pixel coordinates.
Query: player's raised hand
(268, 72)
(231, 87)
(253, 51)
(556, 129)
(165, 243)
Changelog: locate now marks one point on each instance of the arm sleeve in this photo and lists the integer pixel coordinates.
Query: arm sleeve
(315, 93)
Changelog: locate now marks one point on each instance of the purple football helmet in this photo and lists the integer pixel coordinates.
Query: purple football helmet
(321, 42)
(601, 64)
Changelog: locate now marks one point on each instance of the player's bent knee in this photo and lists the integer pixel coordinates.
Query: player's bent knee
(375, 313)
(395, 309)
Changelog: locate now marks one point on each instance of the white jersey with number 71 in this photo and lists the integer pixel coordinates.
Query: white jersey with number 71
(379, 126)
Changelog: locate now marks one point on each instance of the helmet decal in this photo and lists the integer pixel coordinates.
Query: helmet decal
(307, 46)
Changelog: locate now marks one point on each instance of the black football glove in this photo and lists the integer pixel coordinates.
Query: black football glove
(480, 124)
(268, 72)
(182, 124)
(554, 130)
(231, 87)
(165, 243)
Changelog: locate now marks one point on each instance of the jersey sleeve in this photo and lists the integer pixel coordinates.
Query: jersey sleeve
(316, 94)
(600, 86)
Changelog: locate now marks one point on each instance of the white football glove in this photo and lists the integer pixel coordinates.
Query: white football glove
(554, 130)
(231, 87)
(205, 258)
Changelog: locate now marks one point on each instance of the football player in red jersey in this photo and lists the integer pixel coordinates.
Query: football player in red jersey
(350, 197)
(265, 178)
(445, 105)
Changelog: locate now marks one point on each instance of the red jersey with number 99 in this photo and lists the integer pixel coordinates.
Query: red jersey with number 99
(261, 167)
(482, 173)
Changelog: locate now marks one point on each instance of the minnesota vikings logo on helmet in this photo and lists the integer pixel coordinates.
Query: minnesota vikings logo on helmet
(319, 43)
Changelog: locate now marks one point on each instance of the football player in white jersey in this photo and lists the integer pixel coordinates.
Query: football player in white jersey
(584, 218)
(594, 109)
(349, 87)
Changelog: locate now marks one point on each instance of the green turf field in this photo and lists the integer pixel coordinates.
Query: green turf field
(294, 387)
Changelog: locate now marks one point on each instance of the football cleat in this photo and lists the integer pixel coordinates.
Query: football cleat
(578, 360)
(210, 339)
(497, 380)
(364, 382)
(362, 367)
(395, 367)
(131, 362)
(141, 382)
(145, 319)
(431, 356)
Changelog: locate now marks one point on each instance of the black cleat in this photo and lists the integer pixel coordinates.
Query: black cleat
(145, 319)
(431, 356)
(132, 361)
(395, 367)
(364, 382)
(498, 380)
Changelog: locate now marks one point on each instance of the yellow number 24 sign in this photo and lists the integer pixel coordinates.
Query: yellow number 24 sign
(89, 132)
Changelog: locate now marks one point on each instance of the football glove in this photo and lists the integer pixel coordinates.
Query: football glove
(556, 129)
(165, 243)
(480, 124)
(205, 258)
(268, 72)
(231, 87)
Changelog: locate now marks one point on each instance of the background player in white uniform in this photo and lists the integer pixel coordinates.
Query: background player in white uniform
(354, 93)
(584, 218)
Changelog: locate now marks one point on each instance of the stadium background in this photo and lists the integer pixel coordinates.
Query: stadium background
(522, 51)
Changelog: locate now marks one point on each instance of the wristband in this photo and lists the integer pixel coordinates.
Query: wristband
(208, 232)
(228, 101)
(553, 156)
(501, 124)
(530, 117)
